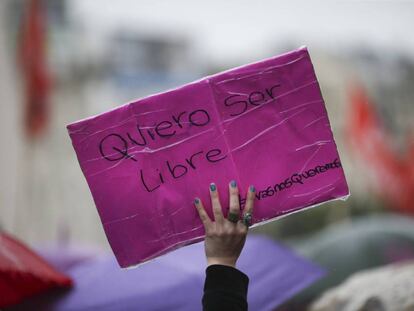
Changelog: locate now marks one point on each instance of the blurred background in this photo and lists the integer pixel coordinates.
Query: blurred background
(61, 61)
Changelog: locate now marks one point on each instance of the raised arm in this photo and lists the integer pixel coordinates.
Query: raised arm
(225, 286)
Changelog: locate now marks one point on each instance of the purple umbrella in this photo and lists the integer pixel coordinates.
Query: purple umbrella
(175, 281)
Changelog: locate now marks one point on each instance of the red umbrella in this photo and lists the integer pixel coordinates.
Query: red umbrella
(23, 273)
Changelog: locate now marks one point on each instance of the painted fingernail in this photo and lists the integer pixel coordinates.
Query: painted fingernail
(213, 187)
(233, 184)
(252, 188)
(196, 201)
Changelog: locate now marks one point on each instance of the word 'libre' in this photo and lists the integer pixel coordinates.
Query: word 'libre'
(153, 180)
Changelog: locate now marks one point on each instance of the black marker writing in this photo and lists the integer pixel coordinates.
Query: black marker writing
(175, 171)
(255, 98)
(143, 135)
(114, 142)
(296, 178)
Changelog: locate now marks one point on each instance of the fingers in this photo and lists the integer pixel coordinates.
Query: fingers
(233, 215)
(234, 205)
(215, 203)
(248, 209)
(251, 195)
(234, 198)
(202, 213)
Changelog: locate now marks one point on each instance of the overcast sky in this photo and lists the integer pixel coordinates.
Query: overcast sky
(224, 28)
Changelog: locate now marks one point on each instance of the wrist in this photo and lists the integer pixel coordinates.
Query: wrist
(231, 262)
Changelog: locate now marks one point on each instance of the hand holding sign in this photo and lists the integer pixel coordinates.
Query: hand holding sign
(264, 123)
(225, 237)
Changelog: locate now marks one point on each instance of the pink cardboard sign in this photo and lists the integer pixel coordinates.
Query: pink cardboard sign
(263, 124)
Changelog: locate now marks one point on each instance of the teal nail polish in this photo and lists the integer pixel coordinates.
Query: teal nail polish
(252, 188)
(233, 184)
(213, 187)
(196, 201)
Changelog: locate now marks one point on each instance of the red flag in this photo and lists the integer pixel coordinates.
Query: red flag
(24, 274)
(34, 68)
(394, 172)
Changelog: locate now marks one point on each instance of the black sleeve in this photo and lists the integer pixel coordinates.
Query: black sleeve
(225, 288)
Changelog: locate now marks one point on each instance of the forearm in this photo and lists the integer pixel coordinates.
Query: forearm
(225, 288)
